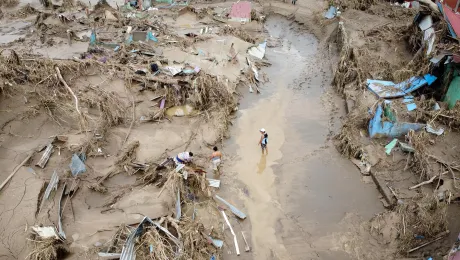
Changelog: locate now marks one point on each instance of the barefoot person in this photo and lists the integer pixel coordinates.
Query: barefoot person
(263, 142)
(216, 158)
(183, 158)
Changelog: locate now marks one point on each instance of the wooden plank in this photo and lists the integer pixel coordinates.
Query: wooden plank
(45, 157)
(439, 237)
(109, 255)
(246, 248)
(14, 172)
(235, 241)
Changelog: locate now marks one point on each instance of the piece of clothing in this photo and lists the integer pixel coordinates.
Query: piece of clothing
(215, 164)
(178, 161)
(182, 158)
(265, 139)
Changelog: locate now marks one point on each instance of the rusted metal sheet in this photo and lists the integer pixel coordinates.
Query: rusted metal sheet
(241, 11)
(128, 252)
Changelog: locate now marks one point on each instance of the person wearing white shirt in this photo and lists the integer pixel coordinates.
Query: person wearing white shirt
(183, 158)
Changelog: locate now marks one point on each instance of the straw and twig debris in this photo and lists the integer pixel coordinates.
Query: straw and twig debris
(47, 249)
(238, 32)
(425, 218)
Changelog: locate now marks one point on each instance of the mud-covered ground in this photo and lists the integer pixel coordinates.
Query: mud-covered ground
(304, 200)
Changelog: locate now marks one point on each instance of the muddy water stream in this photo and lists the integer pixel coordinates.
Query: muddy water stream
(299, 197)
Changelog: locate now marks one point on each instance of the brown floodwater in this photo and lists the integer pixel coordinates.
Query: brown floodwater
(298, 196)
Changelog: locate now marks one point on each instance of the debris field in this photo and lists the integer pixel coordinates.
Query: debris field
(98, 99)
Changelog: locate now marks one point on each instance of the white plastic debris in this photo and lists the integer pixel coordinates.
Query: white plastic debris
(258, 51)
(430, 129)
(46, 232)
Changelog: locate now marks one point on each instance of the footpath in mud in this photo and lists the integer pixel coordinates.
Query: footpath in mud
(102, 103)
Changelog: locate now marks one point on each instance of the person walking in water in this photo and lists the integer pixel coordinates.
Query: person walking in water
(263, 142)
(183, 158)
(216, 158)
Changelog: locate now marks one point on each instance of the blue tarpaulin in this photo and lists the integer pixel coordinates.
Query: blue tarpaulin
(388, 89)
(380, 128)
(411, 106)
(92, 38)
(408, 100)
(150, 37)
(331, 12)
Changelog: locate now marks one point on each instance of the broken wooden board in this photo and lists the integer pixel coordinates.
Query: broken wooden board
(46, 156)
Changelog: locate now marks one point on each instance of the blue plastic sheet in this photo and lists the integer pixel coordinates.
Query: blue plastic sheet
(150, 37)
(388, 89)
(129, 40)
(390, 146)
(408, 100)
(217, 242)
(331, 12)
(77, 165)
(379, 128)
(411, 106)
(92, 38)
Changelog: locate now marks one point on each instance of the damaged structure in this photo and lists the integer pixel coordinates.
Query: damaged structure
(99, 100)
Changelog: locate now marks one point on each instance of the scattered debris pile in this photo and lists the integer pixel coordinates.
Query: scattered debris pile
(99, 77)
(422, 221)
(402, 111)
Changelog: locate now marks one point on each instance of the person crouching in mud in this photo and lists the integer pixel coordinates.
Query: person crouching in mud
(216, 158)
(263, 142)
(183, 158)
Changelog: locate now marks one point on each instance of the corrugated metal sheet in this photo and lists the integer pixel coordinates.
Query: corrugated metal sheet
(235, 211)
(379, 128)
(453, 19)
(241, 10)
(60, 229)
(128, 252)
(45, 157)
(452, 4)
(389, 89)
(51, 186)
